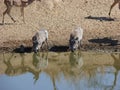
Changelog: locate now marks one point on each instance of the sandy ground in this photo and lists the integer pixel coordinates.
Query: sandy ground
(60, 18)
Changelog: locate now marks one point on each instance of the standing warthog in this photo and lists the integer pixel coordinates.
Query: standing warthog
(75, 39)
(39, 39)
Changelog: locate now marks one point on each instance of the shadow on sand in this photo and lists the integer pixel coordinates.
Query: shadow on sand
(100, 18)
(106, 40)
(59, 48)
(7, 24)
(22, 49)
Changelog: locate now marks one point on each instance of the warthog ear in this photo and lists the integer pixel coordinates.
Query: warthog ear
(76, 38)
(34, 38)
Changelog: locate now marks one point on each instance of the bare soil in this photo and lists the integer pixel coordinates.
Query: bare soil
(101, 32)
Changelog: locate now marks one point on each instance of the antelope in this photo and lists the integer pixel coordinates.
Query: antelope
(75, 39)
(18, 3)
(114, 3)
(39, 39)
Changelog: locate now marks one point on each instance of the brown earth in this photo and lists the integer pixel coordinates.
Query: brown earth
(60, 18)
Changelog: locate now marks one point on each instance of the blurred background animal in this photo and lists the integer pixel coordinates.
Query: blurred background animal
(18, 3)
(114, 3)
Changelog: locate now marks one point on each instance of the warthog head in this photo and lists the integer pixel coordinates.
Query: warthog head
(73, 43)
(36, 44)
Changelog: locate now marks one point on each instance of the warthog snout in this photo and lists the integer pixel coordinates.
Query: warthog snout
(35, 47)
(73, 44)
(35, 44)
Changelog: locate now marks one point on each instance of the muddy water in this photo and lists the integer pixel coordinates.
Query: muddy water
(60, 71)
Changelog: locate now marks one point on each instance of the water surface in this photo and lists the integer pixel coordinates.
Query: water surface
(60, 71)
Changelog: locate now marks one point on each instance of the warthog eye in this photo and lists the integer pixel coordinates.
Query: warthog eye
(35, 44)
(76, 38)
(72, 41)
(34, 38)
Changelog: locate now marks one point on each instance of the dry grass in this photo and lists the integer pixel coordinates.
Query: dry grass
(60, 18)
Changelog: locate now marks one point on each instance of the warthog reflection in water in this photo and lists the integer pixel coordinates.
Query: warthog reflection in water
(40, 60)
(76, 59)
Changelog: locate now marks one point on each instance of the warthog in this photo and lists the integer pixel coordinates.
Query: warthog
(75, 39)
(39, 39)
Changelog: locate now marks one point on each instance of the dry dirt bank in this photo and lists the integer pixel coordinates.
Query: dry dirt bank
(60, 18)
